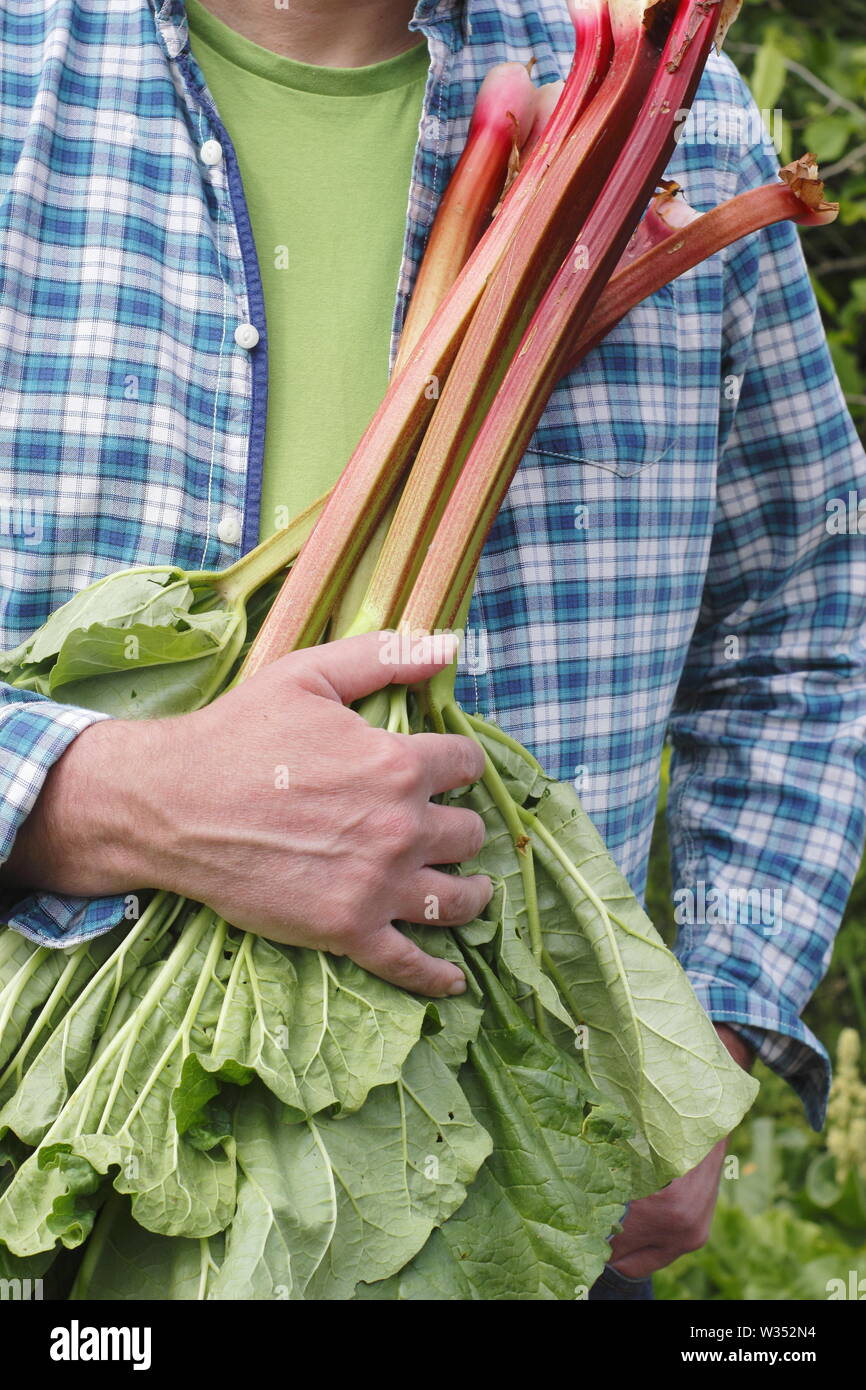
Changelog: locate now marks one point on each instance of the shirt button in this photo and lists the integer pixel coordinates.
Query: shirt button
(229, 529)
(246, 335)
(211, 152)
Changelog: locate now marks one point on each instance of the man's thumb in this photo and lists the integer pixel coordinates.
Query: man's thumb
(358, 666)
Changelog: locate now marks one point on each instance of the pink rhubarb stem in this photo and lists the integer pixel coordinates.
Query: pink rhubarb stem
(566, 196)
(697, 238)
(503, 115)
(544, 349)
(683, 238)
(365, 487)
(657, 223)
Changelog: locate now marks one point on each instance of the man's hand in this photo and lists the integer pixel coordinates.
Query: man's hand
(280, 808)
(659, 1228)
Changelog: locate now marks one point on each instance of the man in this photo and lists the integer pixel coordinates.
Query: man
(203, 212)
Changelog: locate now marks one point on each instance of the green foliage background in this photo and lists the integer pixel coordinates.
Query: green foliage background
(781, 1229)
(809, 62)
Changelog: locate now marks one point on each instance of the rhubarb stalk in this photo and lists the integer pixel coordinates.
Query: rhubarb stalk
(372, 475)
(542, 354)
(682, 238)
(450, 565)
(503, 115)
(566, 196)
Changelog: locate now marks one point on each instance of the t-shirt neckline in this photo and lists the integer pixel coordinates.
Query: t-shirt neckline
(401, 71)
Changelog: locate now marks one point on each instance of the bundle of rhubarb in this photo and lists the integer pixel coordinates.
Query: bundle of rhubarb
(217, 1116)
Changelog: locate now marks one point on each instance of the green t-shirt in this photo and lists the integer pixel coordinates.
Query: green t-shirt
(325, 156)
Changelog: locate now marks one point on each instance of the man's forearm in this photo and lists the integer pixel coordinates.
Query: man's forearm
(84, 834)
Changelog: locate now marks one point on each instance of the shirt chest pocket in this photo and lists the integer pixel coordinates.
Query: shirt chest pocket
(619, 409)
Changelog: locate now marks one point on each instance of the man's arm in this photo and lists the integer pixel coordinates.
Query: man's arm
(35, 733)
(278, 806)
(768, 774)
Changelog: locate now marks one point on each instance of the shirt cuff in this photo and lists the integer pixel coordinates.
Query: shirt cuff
(780, 1038)
(34, 734)
(51, 920)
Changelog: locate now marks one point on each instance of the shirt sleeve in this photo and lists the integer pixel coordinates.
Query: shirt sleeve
(768, 772)
(34, 733)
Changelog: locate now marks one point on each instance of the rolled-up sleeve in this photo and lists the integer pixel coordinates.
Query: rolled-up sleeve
(34, 734)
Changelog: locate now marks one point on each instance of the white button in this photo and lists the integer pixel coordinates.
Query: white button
(246, 335)
(229, 529)
(211, 152)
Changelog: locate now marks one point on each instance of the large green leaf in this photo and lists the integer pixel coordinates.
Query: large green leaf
(318, 1030)
(44, 1065)
(28, 974)
(124, 1262)
(103, 650)
(319, 1203)
(136, 644)
(23, 1274)
(327, 1202)
(347, 1030)
(122, 1115)
(119, 599)
(131, 1077)
(650, 1046)
(536, 1222)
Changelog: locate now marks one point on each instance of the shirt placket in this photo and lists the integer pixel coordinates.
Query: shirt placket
(234, 498)
(444, 24)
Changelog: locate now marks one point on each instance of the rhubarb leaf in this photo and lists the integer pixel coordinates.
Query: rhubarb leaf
(122, 1115)
(327, 1202)
(507, 910)
(316, 1029)
(347, 1030)
(137, 1265)
(650, 1046)
(118, 599)
(536, 1222)
(105, 650)
(28, 974)
(48, 1063)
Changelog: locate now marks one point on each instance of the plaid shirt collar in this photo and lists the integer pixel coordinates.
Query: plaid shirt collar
(452, 17)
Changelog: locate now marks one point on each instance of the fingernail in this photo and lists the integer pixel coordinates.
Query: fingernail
(458, 986)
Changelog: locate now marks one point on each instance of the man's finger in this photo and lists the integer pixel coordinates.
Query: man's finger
(393, 957)
(452, 834)
(450, 760)
(446, 900)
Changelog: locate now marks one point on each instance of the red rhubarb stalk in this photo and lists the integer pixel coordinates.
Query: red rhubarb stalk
(657, 223)
(564, 311)
(503, 115)
(372, 475)
(566, 196)
(546, 102)
(449, 569)
(683, 238)
(593, 49)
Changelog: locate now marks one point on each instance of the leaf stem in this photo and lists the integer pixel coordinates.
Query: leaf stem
(456, 720)
(240, 581)
(493, 731)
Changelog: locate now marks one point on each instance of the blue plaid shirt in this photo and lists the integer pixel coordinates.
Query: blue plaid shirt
(663, 562)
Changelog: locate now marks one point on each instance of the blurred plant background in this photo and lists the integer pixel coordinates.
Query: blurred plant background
(810, 64)
(792, 1215)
